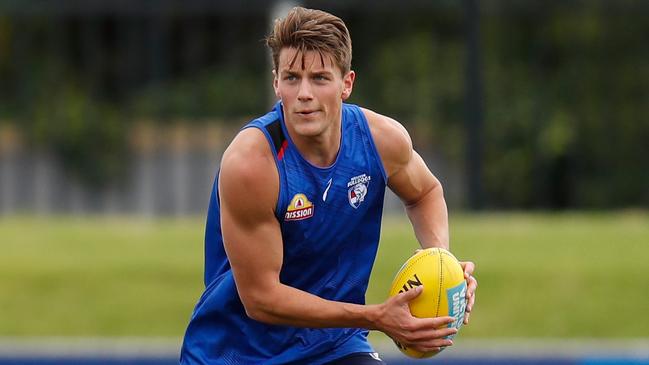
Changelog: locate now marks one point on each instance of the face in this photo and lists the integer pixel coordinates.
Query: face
(311, 92)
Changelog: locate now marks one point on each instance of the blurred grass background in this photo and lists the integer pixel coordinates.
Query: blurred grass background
(568, 275)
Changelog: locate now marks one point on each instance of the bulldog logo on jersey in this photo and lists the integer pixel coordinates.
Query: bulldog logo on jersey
(300, 208)
(357, 189)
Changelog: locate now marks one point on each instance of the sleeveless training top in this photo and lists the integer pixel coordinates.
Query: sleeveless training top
(330, 221)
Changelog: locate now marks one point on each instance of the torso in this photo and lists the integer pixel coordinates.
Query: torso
(330, 222)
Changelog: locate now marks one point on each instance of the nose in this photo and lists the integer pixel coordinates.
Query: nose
(304, 92)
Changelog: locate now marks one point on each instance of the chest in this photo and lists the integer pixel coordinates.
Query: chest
(322, 209)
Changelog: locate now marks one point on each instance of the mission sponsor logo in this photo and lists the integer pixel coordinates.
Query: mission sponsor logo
(300, 208)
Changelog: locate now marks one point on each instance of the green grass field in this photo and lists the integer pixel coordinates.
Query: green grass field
(540, 275)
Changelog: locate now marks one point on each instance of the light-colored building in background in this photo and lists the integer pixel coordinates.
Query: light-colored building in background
(169, 172)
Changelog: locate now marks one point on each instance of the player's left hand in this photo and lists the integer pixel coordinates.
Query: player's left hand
(471, 284)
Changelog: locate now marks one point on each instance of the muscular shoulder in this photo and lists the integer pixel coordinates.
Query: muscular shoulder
(248, 155)
(248, 175)
(391, 139)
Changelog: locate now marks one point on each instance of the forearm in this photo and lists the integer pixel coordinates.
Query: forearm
(285, 305)
(429, 218)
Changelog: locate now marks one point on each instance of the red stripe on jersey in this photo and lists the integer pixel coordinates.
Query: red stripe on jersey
(280, 154)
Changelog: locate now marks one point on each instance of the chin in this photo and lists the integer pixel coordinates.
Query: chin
(309, 130)
(307, 127)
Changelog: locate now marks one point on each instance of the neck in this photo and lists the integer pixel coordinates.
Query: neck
(320, 150)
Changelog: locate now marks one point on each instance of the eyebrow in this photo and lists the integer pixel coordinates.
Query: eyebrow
(323, 73)
(314, 73)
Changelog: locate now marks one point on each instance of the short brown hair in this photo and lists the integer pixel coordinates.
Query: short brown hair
(312, 30)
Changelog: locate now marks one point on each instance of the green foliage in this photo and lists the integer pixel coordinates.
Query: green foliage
(87, 136)
(539, 275)
(226, 92)
(565, 89)
(415, 78)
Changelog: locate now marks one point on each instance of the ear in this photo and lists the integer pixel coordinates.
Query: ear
(348, 84)
(276, 84)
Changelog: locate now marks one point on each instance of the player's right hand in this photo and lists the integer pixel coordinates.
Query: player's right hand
(421, 334)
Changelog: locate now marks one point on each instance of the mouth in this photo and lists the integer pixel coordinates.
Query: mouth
(306, 113)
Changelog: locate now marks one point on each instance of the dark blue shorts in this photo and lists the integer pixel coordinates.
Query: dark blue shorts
(361, 358)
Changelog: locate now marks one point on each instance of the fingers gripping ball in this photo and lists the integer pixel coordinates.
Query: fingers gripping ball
(444, 289)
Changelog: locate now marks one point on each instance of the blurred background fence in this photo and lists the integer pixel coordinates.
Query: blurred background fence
(121, 106)
(168, 171)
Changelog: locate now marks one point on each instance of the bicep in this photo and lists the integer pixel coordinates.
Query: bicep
(248, 186)
(408, 176)
(412, 179)
(254, 249)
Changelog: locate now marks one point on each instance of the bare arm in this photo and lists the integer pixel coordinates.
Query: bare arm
(423, 197)
(411, 180)
(248, 189)
(421, 192)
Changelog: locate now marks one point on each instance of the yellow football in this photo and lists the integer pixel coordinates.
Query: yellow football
(444, 289)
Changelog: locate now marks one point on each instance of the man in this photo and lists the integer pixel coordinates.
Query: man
(294, 219)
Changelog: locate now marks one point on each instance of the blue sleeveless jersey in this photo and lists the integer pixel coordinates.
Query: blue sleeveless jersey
(330, 221)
